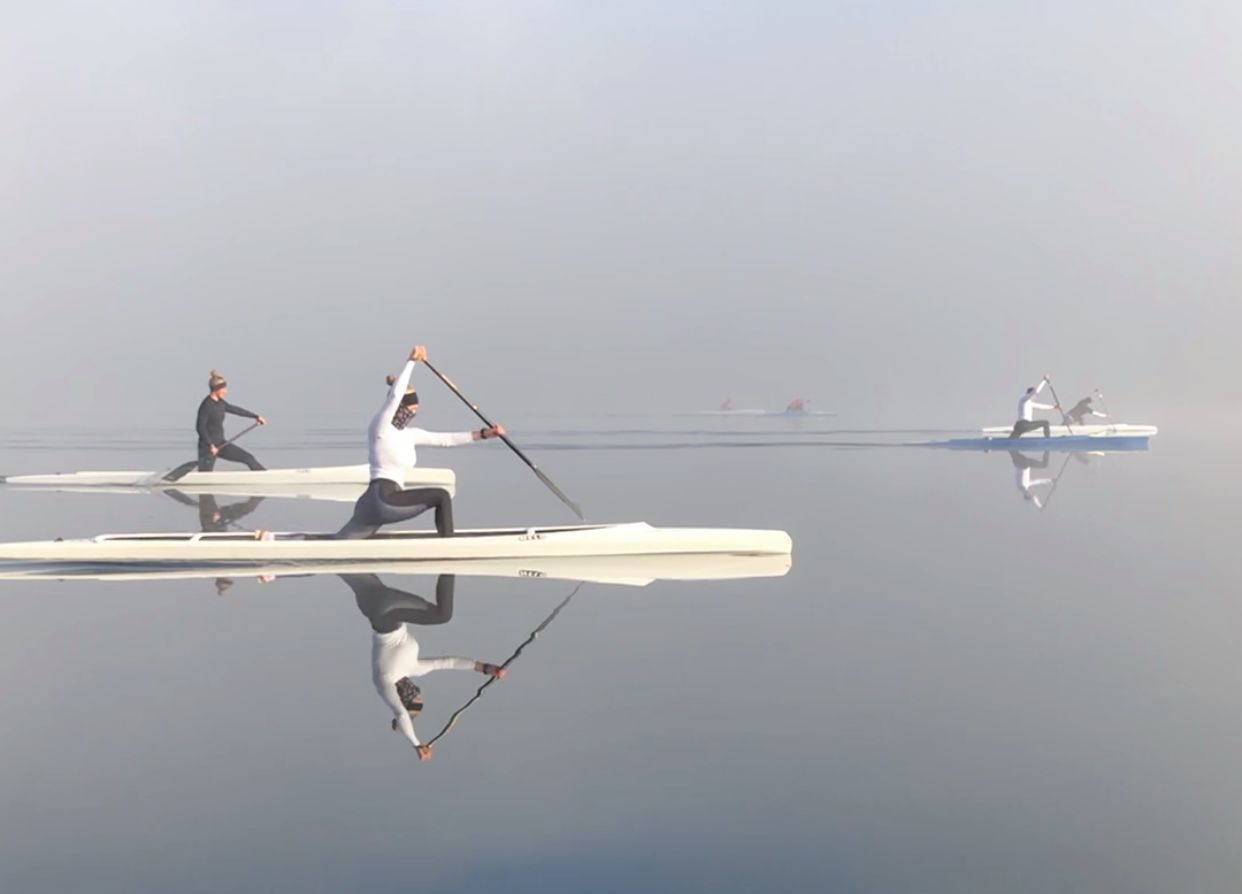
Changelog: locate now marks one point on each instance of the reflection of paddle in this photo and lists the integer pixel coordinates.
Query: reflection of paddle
(452, 721)
(1055, 481)
(182, 470)
(560, 495)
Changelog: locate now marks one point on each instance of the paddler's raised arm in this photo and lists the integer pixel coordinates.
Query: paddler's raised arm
(401, 381)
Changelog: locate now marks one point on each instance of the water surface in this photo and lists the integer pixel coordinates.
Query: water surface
(951, 690)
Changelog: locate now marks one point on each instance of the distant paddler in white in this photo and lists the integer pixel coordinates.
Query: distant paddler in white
(391, 444)
(1027, 405)
(395, 657)
(210, 427)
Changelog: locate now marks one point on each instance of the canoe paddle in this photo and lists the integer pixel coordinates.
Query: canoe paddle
(1064, 419)
(182, 470)
(560, 495)
(1113, 422)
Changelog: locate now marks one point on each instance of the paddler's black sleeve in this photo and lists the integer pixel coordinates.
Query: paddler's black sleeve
(238, 411)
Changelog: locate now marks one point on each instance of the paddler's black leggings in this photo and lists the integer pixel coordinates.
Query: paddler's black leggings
(1022, 426)
(384, 503)
(388, 608)
(231, 452)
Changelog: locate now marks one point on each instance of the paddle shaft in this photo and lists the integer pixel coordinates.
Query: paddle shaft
(1064, 418)
(514, 447)
(182, 470)
(1100, 396)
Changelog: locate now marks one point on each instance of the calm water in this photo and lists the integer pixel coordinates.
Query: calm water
(950, 691)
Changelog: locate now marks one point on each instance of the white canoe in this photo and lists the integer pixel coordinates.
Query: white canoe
(633, 539)
(1118, 429)
(634, 571)
(323, 482)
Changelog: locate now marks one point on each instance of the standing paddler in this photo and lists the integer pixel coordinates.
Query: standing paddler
(1026, 412)
(210, 427)
(391, 447)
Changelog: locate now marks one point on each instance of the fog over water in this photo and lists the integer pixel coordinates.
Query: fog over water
(897, 210)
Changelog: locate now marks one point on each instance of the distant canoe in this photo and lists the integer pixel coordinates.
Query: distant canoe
(1121, 429)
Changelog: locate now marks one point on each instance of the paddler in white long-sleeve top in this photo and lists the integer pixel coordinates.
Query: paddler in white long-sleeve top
(392, 442)
(1026, 415)
(395, 657)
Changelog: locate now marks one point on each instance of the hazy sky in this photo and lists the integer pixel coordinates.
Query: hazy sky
(903, 210)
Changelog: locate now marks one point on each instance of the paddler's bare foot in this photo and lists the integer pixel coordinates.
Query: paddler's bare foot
(261, 534)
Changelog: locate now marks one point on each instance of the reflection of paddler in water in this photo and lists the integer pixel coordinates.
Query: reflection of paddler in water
(1023, 467)
(395, 658)
(214, 518)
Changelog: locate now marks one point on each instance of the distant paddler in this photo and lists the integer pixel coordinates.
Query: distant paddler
(210, 427)
(1082, 410)
(1027, 405)
(797, 405)
(391, 445)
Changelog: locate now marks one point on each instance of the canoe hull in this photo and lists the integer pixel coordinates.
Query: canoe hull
(1080, 443)
(634, 539)
(635, 571)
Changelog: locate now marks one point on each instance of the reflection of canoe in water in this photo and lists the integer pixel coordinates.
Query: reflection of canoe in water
(1055, 443)
(1121, 429)
(634, 539)
(323, 482)
(637, 571)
